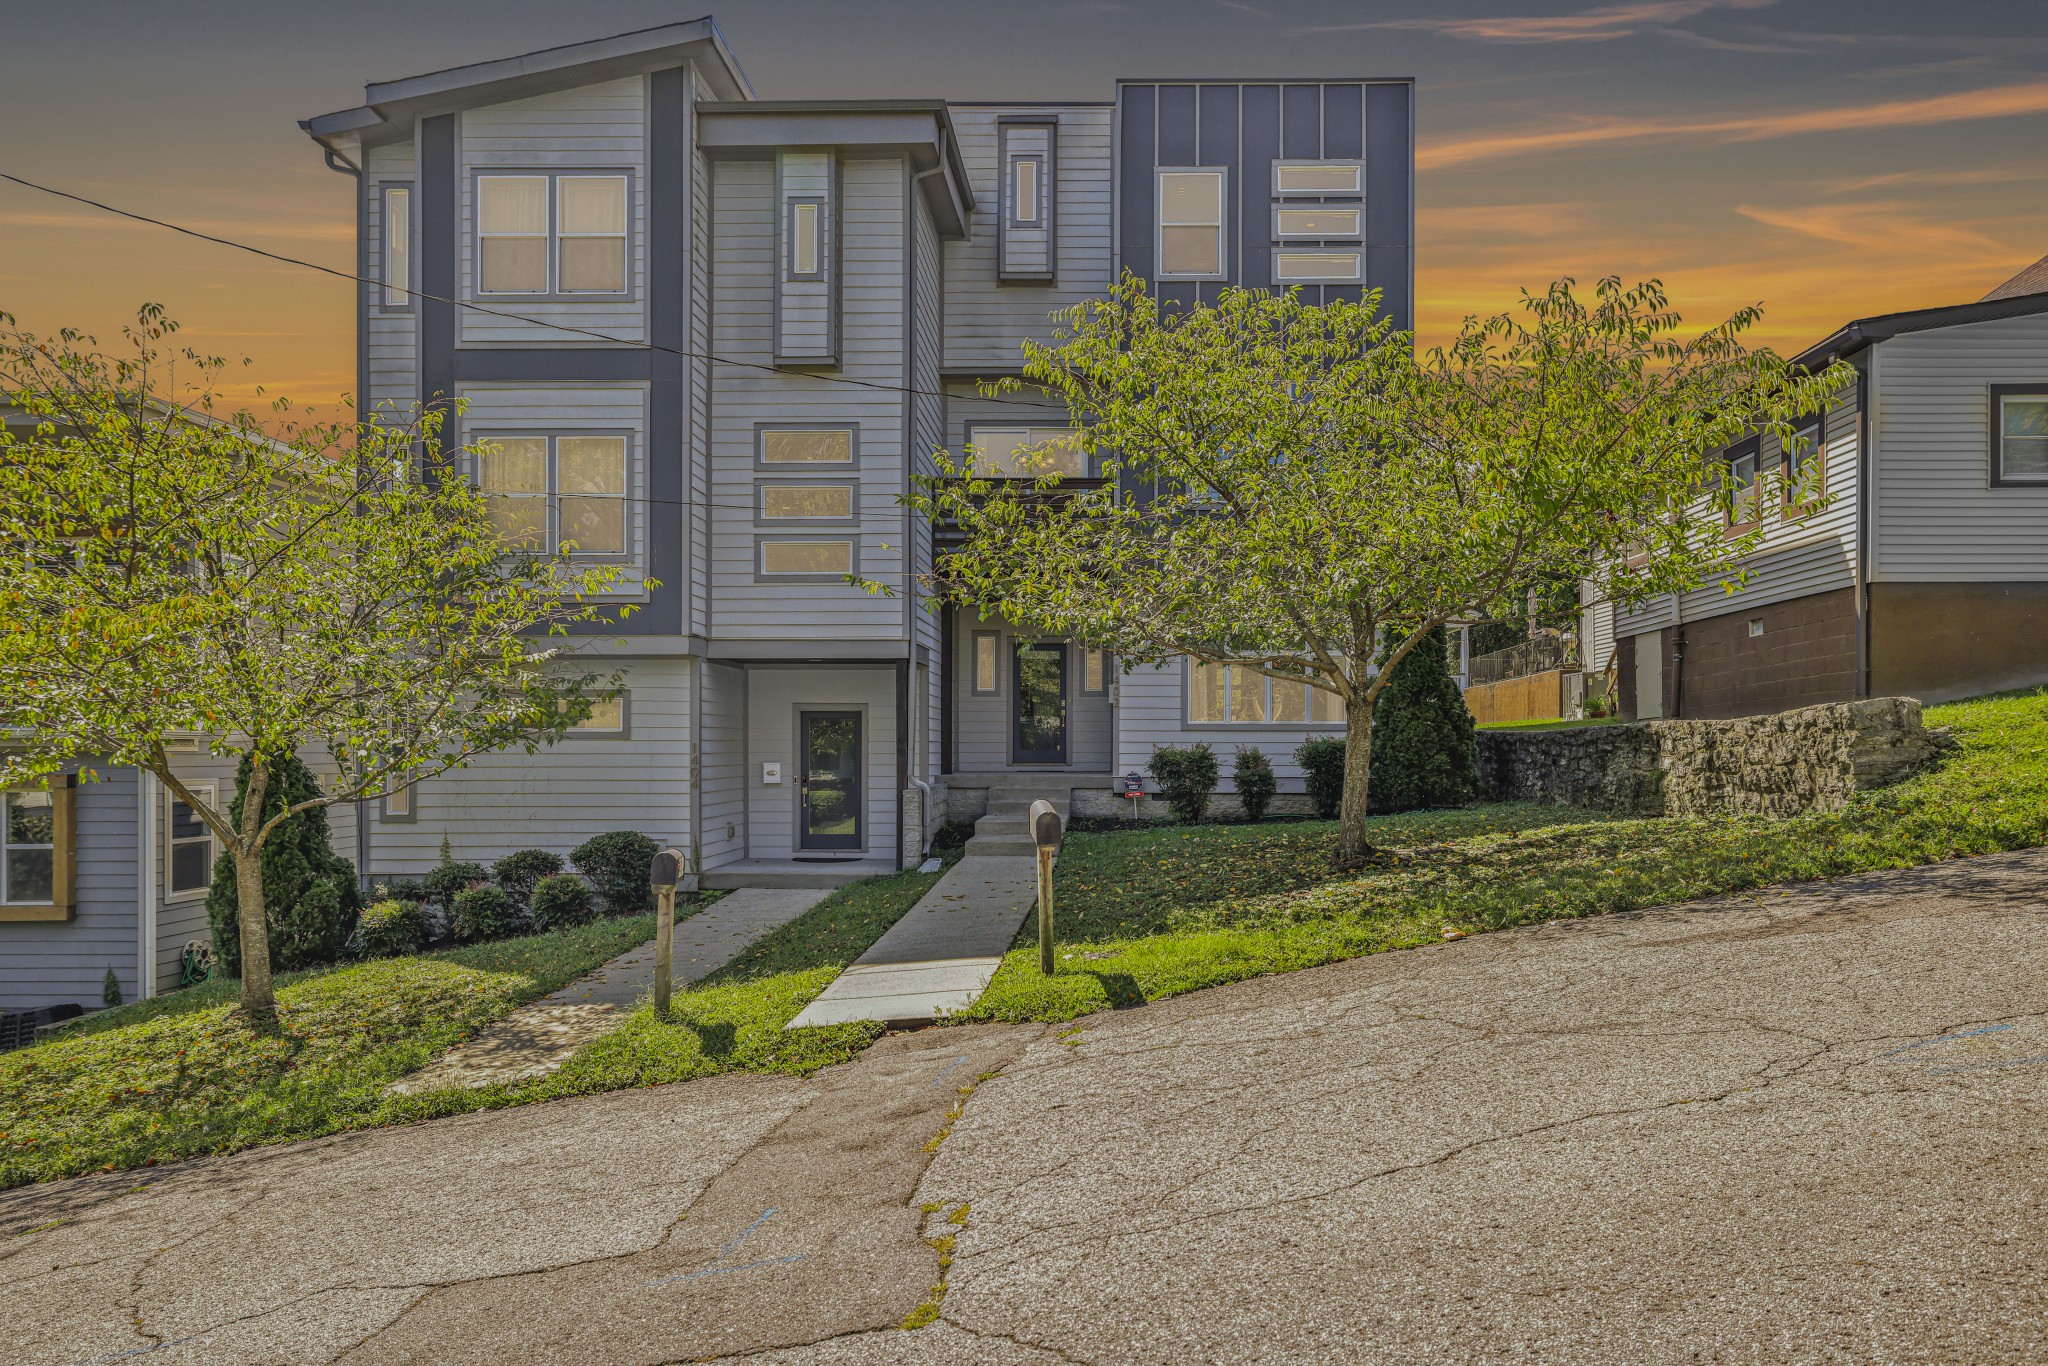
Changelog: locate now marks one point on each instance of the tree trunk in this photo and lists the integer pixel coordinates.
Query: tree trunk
(259, 998)
(1354, 850)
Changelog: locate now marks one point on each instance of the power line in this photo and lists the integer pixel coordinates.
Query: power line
(499, 312)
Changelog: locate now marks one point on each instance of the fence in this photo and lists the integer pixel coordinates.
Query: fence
(1544, 654)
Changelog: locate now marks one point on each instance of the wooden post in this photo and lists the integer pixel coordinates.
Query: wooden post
(1045, 832)
(663, 875)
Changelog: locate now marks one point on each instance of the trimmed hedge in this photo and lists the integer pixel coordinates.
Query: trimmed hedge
(617, 864)
(559, 902)
(520, 871)
(1186, 775)
(1256, 783)
(449, 880)
(391, 929)
(1322, 767)
(484, 911)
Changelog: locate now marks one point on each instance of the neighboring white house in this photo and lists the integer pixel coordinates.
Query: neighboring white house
(1926, 576)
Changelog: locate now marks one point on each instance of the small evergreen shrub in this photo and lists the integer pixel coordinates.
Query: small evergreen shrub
(559, 902)
(481, 912)
(1425, 749)
(110, 990)
(1186, 775)
(518, 872)
(1322, 766)
(409, 890)
(309, 891)
(1253, 774)
(617, 864)
(449, 880)
(391, 929)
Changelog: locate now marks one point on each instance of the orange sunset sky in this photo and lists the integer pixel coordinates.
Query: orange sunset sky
(1829, 159)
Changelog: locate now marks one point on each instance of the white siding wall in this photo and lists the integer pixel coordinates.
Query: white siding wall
(809, 330)
(987, 320)
(561, 796)
(723, 796)
(774, 697)
(1152, 711)
(982, 724)
(1596, 629)
(1938, 520)
(496, 410)
(873, 303)
(1798, 557)
(390, 336)
(593, 127)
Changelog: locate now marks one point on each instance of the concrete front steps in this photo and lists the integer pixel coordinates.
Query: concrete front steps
(1006, 829)
(788, 873)
(1002, 831)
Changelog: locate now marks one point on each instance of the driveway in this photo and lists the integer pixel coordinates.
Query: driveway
(1801, 1126)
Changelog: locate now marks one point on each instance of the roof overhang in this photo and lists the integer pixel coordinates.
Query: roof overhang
(390, 108)
(921, 131)
(1867, 332)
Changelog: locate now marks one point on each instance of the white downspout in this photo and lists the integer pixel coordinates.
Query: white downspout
(146, 797)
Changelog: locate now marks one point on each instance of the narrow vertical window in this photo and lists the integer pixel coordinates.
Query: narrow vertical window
(397, 248)
(512, 234)
(188, 848)
(512, 474)
(1804, 479)
(398, 803)
(806, 249)
(591, 231)
(985, 662)
(1093, 670)
(590, 478)
(1742, 487)
(1190, 223)
(1024, 191)
(28, 848)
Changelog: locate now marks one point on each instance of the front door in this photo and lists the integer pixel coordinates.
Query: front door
(828, 794)
(1040, 733)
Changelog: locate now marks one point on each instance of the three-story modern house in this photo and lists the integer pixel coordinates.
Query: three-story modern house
(712, 339)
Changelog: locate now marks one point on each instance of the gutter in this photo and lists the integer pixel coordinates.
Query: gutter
(1863, 504)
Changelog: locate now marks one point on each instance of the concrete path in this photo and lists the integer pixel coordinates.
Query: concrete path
(942, 954)
(1783, 1128)
(539, 1037)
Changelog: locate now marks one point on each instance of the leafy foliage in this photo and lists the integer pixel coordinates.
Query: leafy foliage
(1253, 774)
(309, 891)
(1282, 482)
(1186, 775)
(484, 911)
(559, 902)
(1425, 748)
(520, 870)
(390, 928)
(1322, 764)
(110, 989)
(617, 865)
(449, 880)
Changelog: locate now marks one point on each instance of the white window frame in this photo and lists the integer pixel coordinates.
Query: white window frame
(2001, 395)
(1019, 201)
(1745, 495)
(394, 295)
(763, 574)
(553, 237)
(1797, 495)
(554, 495)
(1285, 164)
(1357, 256)
(795, 271)
(1282, 234)
(1160, 225)
(976, 430)
(1189, 683)
(55, 846)
(205, 792)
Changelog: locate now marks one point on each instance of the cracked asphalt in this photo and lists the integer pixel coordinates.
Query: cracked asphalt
(1785, 1127)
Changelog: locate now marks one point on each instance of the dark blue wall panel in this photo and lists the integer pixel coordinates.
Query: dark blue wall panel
(1301, 121)
(1135, 160)
(1176, 125)
(1343, 120)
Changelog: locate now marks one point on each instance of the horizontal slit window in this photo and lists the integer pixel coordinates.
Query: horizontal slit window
(1027, 452)
(1303, 267)
(1317, 177)
(833, 558)
(806, 446)
(1315, 223)
(801, 502)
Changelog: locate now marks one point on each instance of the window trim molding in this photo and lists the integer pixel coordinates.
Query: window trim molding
(1356, 163)
(1998, 394)
(1081, 668)
(974, 639)
(1792, 507)
(1159, 224)
(173, 898)
(1187, 708)
(1357, 252)
(1751, 447)
(791, 275)
(762, 519)
(761, 575)
(553, 293)
(1089, 466)
(1295, 240)
(1048, 221)
(384, 189)
(1013, 219)
(624, 732)
(852, 429)
(551, 434)
(386, 816)
(63, 902)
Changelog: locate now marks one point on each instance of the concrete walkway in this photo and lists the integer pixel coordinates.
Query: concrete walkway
(539, 1037)
(942, 954)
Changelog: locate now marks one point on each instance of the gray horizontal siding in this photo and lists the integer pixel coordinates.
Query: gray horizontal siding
(55, 962)
(1937, 518)
(982, 724)
(987, 320)
(722, 796)
(774, 697)
(390, 338)
(599, 126)
(1152, 712)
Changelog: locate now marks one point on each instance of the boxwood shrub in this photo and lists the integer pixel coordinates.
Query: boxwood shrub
(1186, 775)
(390, 929)
(483, 911)
(617, 865)
(518, 872)
(559, 902)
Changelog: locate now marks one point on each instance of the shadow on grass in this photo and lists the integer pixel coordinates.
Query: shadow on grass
(1120, 989)
(717, 1038)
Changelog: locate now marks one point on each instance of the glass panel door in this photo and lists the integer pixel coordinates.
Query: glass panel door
(1041, 692)
(829, 791)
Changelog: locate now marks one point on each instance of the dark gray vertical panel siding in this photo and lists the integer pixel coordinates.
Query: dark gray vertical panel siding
(438, 215)
(1301, 121)
(1261, 146)
(1389, 202)
(668, 288)
(1343, 120)
(1176, 125)
(1217, 145)
(1137, 136)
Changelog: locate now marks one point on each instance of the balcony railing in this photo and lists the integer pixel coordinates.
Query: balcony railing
(1540, 655)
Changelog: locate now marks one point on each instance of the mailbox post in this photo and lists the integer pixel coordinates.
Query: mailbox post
(1046, 833)
(663, 875)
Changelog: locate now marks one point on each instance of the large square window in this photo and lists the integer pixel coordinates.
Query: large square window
(552, 233)
(549, 492)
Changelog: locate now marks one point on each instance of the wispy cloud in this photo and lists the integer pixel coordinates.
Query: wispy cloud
(1601, 25)
(1890, 227)
(2004, 101)
(2002, 174)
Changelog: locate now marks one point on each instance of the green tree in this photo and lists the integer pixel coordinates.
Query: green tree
(1285, 482)
(339, 591)
(309, 891)
(1425, 749)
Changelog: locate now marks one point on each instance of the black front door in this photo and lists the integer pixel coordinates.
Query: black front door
(829, 788)
(1040, 733)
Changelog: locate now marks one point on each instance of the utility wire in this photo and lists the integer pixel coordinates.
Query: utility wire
(498, 312)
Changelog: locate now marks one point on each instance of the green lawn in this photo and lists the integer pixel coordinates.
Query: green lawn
(1143, 914)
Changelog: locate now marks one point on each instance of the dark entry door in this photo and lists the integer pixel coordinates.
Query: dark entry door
(1040, 733)
(829, 793)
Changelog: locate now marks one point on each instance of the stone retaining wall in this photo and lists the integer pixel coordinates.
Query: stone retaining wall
(1812, 759)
